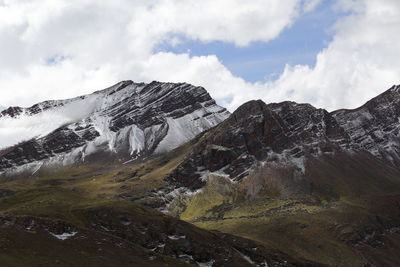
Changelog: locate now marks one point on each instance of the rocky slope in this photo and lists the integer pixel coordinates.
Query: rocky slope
(127, 121)
(285, 135)
(375, 126)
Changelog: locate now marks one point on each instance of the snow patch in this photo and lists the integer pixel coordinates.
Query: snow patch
(186, 257)
(136, 140)
(185, 128)
(249, 260)
(64, 236)
(176, 237)
(206, 264)
(30, 225)
(37, 168)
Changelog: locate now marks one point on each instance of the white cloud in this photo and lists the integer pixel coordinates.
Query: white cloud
(206, 71)
(56, 49)
(97, 43)
(311, 5)
(360, 62)
(209, 20)
(26, 127)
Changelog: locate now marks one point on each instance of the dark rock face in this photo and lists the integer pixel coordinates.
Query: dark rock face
(288, 133)
(258, 132)
(155, 99)
(11, 111)
(60, 141)
(129, 119)
(375, 126)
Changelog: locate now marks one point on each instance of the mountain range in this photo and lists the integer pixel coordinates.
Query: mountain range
(163, 170)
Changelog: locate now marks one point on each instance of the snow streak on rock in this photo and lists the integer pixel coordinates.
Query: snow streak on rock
(131, 119)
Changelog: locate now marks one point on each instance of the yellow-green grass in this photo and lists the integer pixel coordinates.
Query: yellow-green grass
(308, 228)
(218, 191)
(305, 228)
(101, 182)
(304, 236)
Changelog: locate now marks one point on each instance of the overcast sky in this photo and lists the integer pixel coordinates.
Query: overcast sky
(330, 53)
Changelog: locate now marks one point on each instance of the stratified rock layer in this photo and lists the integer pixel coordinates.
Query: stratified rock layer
(287, 134)
(130, 120)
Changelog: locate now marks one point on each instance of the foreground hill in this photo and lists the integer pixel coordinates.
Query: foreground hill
(74, 217)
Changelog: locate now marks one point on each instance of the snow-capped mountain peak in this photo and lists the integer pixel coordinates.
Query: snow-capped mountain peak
(130, 119)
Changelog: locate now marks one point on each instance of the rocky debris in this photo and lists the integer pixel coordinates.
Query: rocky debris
(33, 241)
(170, 236)
(149, 236)
(133, 120)
(52, 226)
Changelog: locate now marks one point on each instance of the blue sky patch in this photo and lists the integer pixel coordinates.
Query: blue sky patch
(56, 59)
(262, 61)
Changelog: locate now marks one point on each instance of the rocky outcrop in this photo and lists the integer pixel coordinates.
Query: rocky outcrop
(375, 126)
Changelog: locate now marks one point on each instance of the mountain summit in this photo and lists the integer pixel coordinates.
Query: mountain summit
(127, 121)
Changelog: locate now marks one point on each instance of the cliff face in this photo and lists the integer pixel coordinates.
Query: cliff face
(287, 134)
(131, 120)
(375, 126)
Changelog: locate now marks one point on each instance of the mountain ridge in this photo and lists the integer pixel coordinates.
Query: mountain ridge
(289, 132)
(133, 119)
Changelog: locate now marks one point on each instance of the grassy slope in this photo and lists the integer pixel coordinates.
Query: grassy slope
(78, 194)
(349, 196)
(49, 200)
(344, 222)
(19, 247)
(66, 194)
(96, 183)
